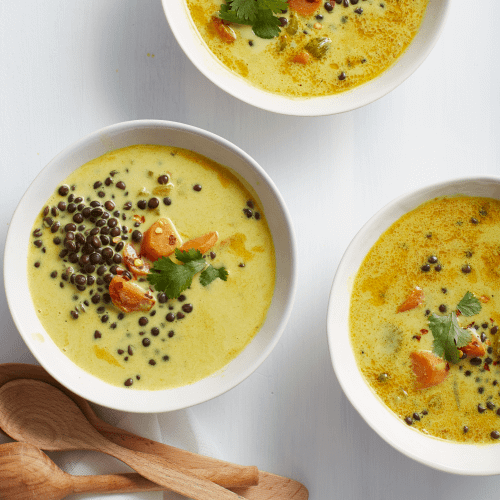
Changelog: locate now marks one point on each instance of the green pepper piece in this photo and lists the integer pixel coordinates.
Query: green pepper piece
(293, 25)
(318, 47)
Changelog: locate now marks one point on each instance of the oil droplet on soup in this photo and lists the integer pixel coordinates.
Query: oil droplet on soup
(445, 248)
(91, 233)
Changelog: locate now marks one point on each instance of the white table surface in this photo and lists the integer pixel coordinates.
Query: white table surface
(68, 68)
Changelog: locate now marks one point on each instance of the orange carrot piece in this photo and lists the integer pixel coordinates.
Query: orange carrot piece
(302, 58)
(224, 32)
(429, 369)
(136, 265)
(305, 7)
(202, 243)
(413, 300)
(128, 296)
(160, 240)
(474, 348)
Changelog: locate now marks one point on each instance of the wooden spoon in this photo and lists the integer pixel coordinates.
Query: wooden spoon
(37, 413)
(220, 472)
(26, 473)
(270, 487)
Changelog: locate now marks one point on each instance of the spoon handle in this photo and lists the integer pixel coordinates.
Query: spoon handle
(129, 482)
(160, 471)
(223, 473)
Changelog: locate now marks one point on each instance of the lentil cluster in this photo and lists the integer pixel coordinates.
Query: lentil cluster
(92, 234)
(484, 371)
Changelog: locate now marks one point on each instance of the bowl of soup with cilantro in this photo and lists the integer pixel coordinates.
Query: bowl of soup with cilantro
(302, 57)
(150, 266)
(413, 325)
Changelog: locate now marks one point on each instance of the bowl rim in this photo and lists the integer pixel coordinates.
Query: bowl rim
(197, 52)
(446, 456)
(83, 383)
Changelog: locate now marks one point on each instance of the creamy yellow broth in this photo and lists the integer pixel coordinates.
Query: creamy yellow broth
(168, 346)
(463, 233)
(365, 40)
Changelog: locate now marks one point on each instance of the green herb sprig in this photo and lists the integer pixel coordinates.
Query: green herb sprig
(449, 336)
(172, 278)
(259, 14)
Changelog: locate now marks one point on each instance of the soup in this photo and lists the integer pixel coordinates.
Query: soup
(323, 48)
(424, 318)
(152, 267)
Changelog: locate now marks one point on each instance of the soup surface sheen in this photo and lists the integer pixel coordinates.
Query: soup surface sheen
(447, 247)
(178, 341)
(359, 41)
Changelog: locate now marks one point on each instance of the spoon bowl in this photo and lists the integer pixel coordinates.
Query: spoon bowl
(24, 469)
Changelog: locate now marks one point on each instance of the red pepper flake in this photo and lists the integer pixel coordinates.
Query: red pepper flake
(487, 367)
(424, 331)
(471, 325)
(417, 337)
(458, 313)
(495, 363)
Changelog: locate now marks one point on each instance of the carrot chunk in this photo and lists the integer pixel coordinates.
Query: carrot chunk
(136, 265)
(302, 58)
(128, 296)
(202, 243)
(413, 300)
(429, 369)
(160, 240)
(224, 32)
(305, 7)
(474, 348)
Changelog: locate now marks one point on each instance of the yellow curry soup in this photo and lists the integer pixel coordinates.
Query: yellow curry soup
(336, 47)
(88, 240)
(418, 274)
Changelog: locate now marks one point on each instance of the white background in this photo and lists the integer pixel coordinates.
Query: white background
(68, 68)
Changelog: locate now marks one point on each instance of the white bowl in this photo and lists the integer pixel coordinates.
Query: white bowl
(447, 456)
(92, 146)
(191, 42)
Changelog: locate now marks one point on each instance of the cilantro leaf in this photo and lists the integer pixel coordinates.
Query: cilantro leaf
(244, 9)
(229, 15)
(211, 273)
(257, 13)
(469, 305)
(267, 25)
(187, 256)
(448, 336)
(173, 278)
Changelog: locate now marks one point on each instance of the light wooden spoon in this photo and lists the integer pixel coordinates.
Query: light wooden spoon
(26, 473)
(37, 413)
(220, 472)
(270, 487)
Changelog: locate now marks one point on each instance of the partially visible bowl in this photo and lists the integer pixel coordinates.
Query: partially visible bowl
(447, 456)
(196, 50)
(93, 146)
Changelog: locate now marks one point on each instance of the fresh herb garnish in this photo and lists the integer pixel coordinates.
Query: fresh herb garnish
(172, 278)
(259, 14)
(449, 336)
(469, 305)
